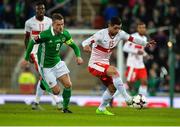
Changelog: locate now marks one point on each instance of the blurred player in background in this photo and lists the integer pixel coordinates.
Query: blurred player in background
(33, 27)
(51, 67)
(135, 66)
(103, 43)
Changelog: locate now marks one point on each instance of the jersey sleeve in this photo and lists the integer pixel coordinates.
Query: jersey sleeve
(128, 48)
(96, 38)
(27, 26)
(69, 41)
(127, 37)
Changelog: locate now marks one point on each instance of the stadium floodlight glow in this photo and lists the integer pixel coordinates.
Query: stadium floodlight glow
(170, 44)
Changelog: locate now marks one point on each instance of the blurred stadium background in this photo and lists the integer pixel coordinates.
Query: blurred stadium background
(82, 19)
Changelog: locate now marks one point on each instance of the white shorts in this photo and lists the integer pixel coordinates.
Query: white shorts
(50, 75)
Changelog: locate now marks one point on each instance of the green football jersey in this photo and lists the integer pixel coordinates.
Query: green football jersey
(49, 47)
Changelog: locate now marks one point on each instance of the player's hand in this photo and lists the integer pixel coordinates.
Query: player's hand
(24, 63)
(151, 44)
(87, 48)
(79, 60)
(31, 60)
(140, 52)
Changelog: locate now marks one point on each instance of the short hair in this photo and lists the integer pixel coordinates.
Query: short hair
(57, 16)
(140, 23)
(37, 3)
(115, 21)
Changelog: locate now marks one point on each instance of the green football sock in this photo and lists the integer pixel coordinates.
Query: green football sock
(45, 86)
(66, 97)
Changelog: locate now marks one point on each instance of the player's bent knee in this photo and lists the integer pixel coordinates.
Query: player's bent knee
(69, 85)
(112, 70)
(56, 90)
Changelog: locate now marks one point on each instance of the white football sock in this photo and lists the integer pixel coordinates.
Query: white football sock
(106, 98)
(55, 97)
(143, 90)
(121, 88)
(39, 92)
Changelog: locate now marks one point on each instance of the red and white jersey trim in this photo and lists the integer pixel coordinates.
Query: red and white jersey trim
(102, 45)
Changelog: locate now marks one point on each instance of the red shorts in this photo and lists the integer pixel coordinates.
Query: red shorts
(133, 74)
(99, 70)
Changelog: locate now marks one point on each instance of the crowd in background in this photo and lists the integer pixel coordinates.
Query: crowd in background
(155, 13)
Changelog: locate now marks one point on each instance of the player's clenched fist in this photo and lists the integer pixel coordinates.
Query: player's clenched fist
(79, 60)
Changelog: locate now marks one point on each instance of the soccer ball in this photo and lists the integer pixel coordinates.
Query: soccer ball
(139, 101)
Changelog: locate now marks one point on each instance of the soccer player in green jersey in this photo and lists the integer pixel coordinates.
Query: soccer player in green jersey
(51, 67)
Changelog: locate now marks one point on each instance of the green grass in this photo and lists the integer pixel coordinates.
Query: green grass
(21, 114)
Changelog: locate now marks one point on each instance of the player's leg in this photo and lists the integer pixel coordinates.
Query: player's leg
(106, 98)
(39, 90)
(65, 80)
(99, 70)
(49, 83)
(40, 86)
(119, 85)
(55, 97)
(39, 93)
(131, 77)
(142, 76)
(62, 74)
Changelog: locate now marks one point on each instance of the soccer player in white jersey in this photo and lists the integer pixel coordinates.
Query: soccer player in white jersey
(33, 27)
(135, 66)
(101, 45)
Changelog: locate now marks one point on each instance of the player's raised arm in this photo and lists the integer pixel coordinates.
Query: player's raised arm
(127, 48)
(137, 40)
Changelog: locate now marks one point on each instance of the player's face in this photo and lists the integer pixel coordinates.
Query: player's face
(40, 10)
(141, 29)
(114, 29)
(58, 25)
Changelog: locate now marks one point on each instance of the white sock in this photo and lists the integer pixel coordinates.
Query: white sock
(143, 90)
(106, 98)
(116, 93)
(55, 98)
(121, 88)
(39, 92)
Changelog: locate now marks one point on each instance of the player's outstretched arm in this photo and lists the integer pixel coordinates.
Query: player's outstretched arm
(27, 54)
(77, 52)
(128, 48)
(141, 41)
(29, 49)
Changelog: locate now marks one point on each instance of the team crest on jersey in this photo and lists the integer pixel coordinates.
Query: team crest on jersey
(50, 41)
(50, 83)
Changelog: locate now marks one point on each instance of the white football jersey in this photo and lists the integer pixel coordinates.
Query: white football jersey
(102, 45)
(135, 60)
(35, 26)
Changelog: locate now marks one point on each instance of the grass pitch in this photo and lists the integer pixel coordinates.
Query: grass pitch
(22, 115)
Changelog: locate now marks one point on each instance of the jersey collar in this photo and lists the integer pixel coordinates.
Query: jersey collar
(52, 31)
